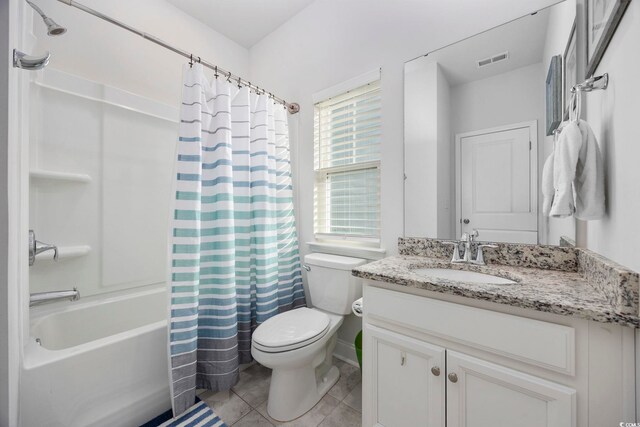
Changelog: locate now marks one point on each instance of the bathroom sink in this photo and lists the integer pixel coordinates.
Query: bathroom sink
(463, 276)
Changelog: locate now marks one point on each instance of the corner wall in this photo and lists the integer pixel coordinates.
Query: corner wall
(4, 222)
(613, 116)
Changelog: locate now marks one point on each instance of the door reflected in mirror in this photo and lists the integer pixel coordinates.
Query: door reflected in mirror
(475, 138)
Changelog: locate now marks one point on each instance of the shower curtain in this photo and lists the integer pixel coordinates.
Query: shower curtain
(235, 259)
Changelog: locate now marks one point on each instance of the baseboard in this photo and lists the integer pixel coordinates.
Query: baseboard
(346, 352)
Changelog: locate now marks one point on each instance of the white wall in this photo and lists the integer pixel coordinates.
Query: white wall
(102, 52)
(332, 41)
(512, 97)
(427, 150)
(445, 157)
(613, 115)
(4, 222)
(558, 31)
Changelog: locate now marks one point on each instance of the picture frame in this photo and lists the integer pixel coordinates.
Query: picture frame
(569, 69)
(603, 17)
(554, 95)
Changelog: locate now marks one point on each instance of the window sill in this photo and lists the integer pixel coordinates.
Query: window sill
(347, 250)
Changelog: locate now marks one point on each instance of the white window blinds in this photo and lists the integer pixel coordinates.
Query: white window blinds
(347, 137)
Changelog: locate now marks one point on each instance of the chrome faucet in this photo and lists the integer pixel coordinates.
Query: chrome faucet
(467, 242)
(43, 297)
(37, 247)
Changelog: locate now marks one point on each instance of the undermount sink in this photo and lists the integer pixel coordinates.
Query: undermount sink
(463, 276)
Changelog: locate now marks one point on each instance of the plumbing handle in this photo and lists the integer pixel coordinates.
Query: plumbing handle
(37, 247)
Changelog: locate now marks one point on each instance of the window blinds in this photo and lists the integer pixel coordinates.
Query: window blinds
(347, 134)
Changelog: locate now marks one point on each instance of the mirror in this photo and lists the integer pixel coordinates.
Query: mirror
(476, 131)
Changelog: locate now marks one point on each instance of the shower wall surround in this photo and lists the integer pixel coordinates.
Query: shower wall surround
(100, 179)
(105, 118)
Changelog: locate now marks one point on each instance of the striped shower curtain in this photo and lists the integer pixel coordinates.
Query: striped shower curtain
(235, 259)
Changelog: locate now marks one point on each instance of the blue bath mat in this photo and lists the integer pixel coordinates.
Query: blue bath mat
(199, 414)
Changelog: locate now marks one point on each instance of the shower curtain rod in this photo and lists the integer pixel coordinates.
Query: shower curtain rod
(291, 107)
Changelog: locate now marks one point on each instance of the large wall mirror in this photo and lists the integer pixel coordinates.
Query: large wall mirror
(477, 118)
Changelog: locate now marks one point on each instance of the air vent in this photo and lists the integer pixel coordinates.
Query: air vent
(493, 59)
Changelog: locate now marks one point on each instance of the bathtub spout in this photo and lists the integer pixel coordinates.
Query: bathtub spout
(43, 297)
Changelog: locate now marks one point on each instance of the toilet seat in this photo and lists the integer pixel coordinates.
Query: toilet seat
(291, 330)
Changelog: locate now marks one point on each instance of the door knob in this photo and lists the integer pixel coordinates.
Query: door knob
(466, 221)
(453, 377)
(435, 371)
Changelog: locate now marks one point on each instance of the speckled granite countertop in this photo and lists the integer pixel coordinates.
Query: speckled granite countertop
(565, 281)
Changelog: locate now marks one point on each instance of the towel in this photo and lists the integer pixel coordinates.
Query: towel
(578, 174)
(547, 185)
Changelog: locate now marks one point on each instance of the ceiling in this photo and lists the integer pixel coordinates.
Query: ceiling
(244, 21)
(523, 38)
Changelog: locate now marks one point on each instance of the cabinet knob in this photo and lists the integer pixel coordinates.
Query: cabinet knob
(435, 371)
(453, 377)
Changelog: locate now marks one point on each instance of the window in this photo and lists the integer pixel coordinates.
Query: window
(347, 133)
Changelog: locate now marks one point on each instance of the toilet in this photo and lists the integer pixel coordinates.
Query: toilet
(298, 344)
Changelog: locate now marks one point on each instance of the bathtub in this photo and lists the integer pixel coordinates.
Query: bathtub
(97, 363)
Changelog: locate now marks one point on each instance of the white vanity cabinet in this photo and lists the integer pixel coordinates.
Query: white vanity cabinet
(407, 380)
(429, 362)
(484, 394)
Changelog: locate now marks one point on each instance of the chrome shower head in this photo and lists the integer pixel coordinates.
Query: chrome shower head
(53, 29)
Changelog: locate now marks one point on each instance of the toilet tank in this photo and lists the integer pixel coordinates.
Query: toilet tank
(331, 284)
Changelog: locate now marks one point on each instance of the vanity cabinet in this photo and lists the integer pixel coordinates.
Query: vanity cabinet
(429, 362)
(484, 394)
(411, 380)
(408, 380)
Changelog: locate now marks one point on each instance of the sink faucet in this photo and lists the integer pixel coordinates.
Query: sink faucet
(467, 241)
(43, 297)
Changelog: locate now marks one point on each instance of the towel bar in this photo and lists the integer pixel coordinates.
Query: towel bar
(592, 83)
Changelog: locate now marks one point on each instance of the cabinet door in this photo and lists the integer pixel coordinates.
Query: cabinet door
(482, 394)
(403, 380)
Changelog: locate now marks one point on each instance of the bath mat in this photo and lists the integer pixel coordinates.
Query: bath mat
(200, 415)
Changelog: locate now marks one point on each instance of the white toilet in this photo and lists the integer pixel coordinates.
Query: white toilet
(298, 344)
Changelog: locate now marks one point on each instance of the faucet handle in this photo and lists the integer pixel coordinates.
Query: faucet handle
(480, 253)
(456, 251)
(36, 247)
(487, 245)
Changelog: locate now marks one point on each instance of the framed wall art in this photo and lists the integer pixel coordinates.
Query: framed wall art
(554, 95)
(603, 17)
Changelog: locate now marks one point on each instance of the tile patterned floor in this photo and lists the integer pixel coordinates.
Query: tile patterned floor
(246, 403)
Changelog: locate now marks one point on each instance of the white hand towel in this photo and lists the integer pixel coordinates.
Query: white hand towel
(578, 176)
(547, 185)
(565, 160)
(589, 180)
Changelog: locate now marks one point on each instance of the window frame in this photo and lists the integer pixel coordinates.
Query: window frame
(322, 203)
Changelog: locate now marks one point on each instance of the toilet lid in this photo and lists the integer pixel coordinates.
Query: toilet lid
(291, 329)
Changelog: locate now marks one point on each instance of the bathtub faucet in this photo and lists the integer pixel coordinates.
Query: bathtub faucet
(43, 297)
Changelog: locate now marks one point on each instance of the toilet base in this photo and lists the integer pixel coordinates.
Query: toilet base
(293, 393)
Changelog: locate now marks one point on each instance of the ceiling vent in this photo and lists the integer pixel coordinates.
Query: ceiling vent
(493, 59)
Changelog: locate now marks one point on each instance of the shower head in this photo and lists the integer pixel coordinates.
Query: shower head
(53, 29)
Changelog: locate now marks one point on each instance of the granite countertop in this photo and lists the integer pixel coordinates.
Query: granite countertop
(589, 287)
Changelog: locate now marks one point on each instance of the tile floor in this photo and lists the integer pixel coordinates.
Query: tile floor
(246, 404)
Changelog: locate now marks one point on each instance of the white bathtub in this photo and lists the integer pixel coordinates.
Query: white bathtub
(99, 363)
